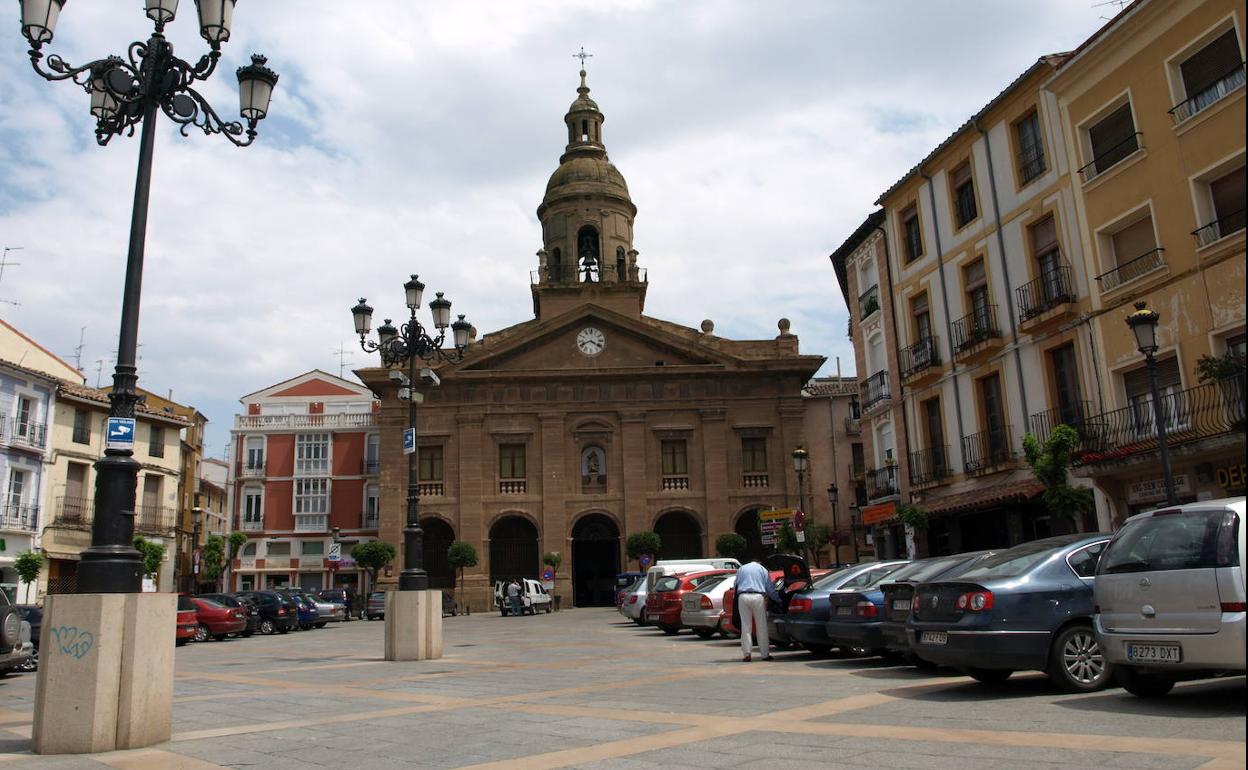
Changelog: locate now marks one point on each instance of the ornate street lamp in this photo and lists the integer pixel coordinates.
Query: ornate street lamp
(833, 499)
(125, 94)
(409, 344)
(1143, 323)
(800, 460)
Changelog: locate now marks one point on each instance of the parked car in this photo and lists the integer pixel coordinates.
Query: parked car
(898, 593)
(634, 605)
(329, 611)
(309, 617)
(1026, 608)
(1170, 595)
(188, 621)
(702, 609)
(624, 583)
(663, 605)
(533, 597)
(347, 597)
(16, 648)
(681, 566)
(216, 620)
(251, 613)
(806, 617)
(621, 595)
(32, 614)
(278, 614)
(376, 608)
(729, 621)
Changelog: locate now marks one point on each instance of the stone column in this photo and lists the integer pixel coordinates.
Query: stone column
(637, 477)
(715, 448)
(555, 473)
(469, 485)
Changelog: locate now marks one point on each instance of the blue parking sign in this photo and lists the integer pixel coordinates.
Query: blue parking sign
(409, 441)
(120, 433)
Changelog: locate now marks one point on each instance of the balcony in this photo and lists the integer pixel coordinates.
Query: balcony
(1046, 300)
(311, 522)
(1110, 157)
(1074, 415)
(23, 433)
(874, 392)
(1218, 229)
(73, 511)
(1206, 411)
(369, 520)
(853, 426)
(675, 483)
(754, 481)
(857, 471)
(869, 302)
(299, 421)
(431, 489)
(252, 471)
(976, 335)
(370, 466)
(920, 361)
(277, 562)
(513, 486)
(988, 451)
(250, 525)
(19, 516)
(881, 482)
(1227, 84)
(929, 467)
(1031, 162)
(1132, 269)
(156, 520)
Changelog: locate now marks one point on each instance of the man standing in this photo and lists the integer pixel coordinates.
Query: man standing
(754, 588)
(513, 596)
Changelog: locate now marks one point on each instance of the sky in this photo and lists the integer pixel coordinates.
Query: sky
(410, 136)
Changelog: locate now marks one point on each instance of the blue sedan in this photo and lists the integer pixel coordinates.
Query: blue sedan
(1026, 608)
(805, 620)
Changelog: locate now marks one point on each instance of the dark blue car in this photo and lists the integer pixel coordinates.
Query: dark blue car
(1026, 608)
(898, 593)
(807, 614)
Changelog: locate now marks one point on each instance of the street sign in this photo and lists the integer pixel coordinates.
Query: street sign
(548, 574)
(120, 433)
(645, 560)
(335, 552)
(771, 522)
(409, 441)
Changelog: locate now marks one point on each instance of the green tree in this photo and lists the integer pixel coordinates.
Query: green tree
(153, 555)
(461, 555)
(237, 540)
(643, 543)
(212, 559)
(786, 539)
(817, 538)
(552, 560)
(373, 555)
(1050, 462)
(912, 516)
(730, 545)
(27, 565)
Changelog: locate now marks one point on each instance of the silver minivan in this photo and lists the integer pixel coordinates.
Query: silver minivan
(1170, 595)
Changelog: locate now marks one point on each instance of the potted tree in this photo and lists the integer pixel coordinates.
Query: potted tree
(373, 555)
(643, 544)
(27, 565)
(461, 555)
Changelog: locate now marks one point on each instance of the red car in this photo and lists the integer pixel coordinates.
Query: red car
(729, 624)
(188, 620)
(215, 619)
(663, 603)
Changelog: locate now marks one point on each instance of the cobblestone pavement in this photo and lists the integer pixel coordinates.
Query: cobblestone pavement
(582, 688)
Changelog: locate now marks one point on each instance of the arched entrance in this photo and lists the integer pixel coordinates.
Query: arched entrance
(513, 549)
(681, 535)
(595, 560)
(438, 538)
(747, 527)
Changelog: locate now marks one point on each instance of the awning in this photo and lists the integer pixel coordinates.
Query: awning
(1019, 485)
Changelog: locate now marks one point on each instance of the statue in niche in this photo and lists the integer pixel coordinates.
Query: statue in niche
(593, 463)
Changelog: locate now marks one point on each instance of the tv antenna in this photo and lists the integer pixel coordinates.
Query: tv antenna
(82, 333)
(4, 262)
(342, 352)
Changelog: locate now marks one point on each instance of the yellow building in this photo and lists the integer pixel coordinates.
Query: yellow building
(1152, 108)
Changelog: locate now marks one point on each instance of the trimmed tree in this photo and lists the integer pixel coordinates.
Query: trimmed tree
(27, 565)
(461, 555)
(153, 555)
(730, 545)
(643, 543)
(212, 559)
(553, 560)
(1050, 462)
(373, 555)
(817, 538)
(236, 541)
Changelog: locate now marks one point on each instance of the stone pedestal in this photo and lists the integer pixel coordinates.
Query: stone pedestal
(413, 625)
(105, 673)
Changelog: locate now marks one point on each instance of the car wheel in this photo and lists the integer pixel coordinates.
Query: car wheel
(920, 663)
(1143, 685)
(322, 625)
(266, 627)
(639, 621)
(989, 675)
(1076, 663)
(201, 633)
(220, 637)
(704, 633)
(819, 649)
(283, 630)
(180, 642)
(671, 630)
(246, 634)
(548, 609)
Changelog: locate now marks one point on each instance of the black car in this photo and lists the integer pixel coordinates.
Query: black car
(347, 597)
(278, 614)
(248, 606)
(32, 614)
(899, 592)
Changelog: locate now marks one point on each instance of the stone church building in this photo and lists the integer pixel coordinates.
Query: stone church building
(591, 421)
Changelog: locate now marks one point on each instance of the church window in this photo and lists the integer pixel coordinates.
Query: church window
(754, 455)
(430, 463)
(584, 130)
(511, 461)
(675, 458)
(587, 251)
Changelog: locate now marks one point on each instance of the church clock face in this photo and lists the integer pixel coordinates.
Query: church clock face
(590, 341)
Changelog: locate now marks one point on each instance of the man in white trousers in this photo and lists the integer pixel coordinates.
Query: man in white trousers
(754, 588)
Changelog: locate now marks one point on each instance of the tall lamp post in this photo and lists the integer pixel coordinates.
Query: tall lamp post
(1143, 323)
(833, 499)
(197, 516)
(409, 344)
(127, 93)
(800, 460)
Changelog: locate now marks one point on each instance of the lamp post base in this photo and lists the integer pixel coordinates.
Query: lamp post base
(413, 625)
(414, 579)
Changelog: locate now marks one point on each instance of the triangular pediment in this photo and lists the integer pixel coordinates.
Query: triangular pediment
(315, 384)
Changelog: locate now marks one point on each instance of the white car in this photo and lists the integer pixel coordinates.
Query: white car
(533, 597)
(1170, 591)
(702, 609)
(634, 605)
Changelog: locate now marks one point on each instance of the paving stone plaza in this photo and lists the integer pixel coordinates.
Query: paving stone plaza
(583, 688)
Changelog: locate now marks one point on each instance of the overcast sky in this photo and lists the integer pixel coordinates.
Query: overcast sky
(411, 136)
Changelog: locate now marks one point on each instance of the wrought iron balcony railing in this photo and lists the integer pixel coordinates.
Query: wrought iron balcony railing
(1074, 414)
(1110, 157)
(252, 470)
(19, 516)
(1031, 162)
(930, 466)
(155, 520)
(73, 511)
(1134, 268)
(1054, 288)
(980, 325)
(874, 389)
(869, 301)
(881, 482)
(1228, 83)
(988, 450)
(919, 357)
(1219, 229)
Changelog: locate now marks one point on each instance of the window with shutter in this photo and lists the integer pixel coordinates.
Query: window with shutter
(1211, 64)
(1113, 138)
(914, 240)
(1030, 148)
(1133, 241)
(964, 195)
(1228, 201)
(1139, 396)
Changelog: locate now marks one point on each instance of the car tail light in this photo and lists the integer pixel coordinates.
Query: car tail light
(800, 604)
(705, 603)
(975, 601)
(1232, 606)
(281, 610)
(866, 610)
(632, 599)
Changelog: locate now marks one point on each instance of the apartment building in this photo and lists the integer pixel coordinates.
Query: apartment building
(27, 398)
(833, 423)
(1152, 109)
(304, 464)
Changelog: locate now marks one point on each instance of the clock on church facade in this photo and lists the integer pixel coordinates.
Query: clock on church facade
(590, 421)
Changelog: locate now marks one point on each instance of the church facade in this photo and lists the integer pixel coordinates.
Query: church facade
(570, 431)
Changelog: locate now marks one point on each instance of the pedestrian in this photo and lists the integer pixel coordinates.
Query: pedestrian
(513, 596)
(754, 589)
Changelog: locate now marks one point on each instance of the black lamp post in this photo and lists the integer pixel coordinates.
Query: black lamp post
(197, 516)
(800, 460)
(409, 344)
(833, 499)
(1143, 323)
(126, 93)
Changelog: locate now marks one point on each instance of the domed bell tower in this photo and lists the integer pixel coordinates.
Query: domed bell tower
(587, 252)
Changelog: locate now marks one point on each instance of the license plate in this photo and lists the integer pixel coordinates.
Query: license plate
(1154, 653)
(934, 637)
(901, 604)
(844, 610)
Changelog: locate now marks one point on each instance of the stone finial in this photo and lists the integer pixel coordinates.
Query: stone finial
(783, 325)
(708, 326)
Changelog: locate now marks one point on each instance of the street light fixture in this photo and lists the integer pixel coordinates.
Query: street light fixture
(409, 344)
(197, 517)
(800, 461)
(833, 499)
(125, 94)
(1143, 323)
